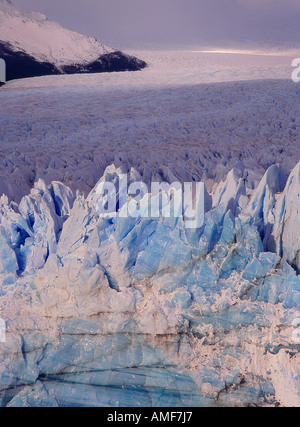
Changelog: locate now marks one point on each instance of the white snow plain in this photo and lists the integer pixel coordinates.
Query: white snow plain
(185, 112)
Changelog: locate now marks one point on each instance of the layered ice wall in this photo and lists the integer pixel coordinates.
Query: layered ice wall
(145, 312)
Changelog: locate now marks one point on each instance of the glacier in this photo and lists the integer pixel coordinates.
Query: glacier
(198, 131)
(145, 312)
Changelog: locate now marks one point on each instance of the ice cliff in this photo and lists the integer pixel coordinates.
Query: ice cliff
(145, 312)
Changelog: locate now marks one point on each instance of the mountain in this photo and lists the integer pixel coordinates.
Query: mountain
(32, 46)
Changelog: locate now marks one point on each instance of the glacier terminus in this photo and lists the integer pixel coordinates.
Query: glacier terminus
(114, 311)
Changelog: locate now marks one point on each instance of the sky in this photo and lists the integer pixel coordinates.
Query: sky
(138, 23)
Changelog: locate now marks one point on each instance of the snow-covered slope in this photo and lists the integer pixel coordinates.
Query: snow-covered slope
(144, 312)
(47, 42)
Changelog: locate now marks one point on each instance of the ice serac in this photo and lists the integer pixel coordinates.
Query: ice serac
(145, 312)
(262, 204)
(31, 230)
(32, 45)
(287, 221)
(231, 193)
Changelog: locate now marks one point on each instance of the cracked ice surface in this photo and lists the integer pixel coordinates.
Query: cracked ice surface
(145, 312)
(70, 128)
